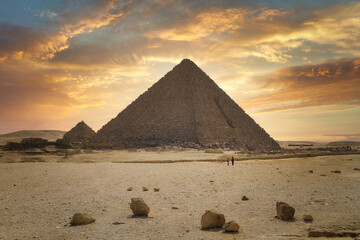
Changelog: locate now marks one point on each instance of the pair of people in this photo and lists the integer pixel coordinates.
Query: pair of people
(232, 161)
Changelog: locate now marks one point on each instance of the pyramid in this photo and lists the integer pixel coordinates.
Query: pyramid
(186, 108)
(80, 133)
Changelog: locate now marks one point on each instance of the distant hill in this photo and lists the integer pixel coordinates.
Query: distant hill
(50, 135)
(344, 143)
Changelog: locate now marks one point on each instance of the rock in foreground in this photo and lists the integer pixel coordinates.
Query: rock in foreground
(231, 226)
(212, 220)
(308, 218)
(284, 211)
(81, 219)
(139, 207)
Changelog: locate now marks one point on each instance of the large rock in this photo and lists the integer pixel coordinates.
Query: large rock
(139, 207)
(81, 219)
(231, 226)
(284, 211)
(212, 220)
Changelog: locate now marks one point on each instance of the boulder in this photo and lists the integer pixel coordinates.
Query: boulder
(156, 189)
(231, 226)
(129, 189)
(336, 171)
(139, 207)
(81, 219)
(284, 211)
(145, 189)
(212, 220)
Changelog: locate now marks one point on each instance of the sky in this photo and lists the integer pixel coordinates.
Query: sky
(293, 66)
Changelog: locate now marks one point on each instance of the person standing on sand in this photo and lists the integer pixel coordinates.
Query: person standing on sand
(228, 160)
(232, 160)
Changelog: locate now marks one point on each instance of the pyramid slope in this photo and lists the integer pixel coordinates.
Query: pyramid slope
(81, 132)
(186, 107)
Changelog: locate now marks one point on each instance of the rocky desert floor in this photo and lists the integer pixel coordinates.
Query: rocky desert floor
(37, 199)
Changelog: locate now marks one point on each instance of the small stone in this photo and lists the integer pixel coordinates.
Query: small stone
(231, 226)
(118, 222)
(156, 189)
(311, 171)
(211, 181)
(244, 198)
(129, 188)
(81, 219)
(212, 220)
(357, 169)
(284, 211)
(139, 207)
(308, 218)
(336, 171)
(323, 175)
(175, 208)
(145, 189)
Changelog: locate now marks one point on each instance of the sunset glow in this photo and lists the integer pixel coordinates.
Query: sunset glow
(293, 66)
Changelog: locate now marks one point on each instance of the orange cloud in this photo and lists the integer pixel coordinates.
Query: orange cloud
(329, 83)
(28, 45)
(216, 21)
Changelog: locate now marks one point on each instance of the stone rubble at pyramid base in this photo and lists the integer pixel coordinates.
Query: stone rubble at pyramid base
(245, 148)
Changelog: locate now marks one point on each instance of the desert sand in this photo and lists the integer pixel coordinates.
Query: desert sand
(37, 199)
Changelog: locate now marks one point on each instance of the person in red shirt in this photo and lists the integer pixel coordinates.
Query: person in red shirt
(228, 161)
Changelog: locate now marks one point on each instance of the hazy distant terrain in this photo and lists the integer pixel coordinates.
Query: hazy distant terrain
(50, 135)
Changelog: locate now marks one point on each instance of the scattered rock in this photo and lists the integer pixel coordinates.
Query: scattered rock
(311, 171)
(323, 175)
(244, 198)
(139, 207)
(336, 171)
(211, 181)
(81, 219)
(231, 226)
(357, 169)
(175, 208)
(118, 222)
(129, 188)
(317, 233)
(212, 220)
(145, 189)
(308, 218)
(156, 189)
(284, 211)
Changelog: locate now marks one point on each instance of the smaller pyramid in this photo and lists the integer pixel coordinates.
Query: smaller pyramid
(80, 133)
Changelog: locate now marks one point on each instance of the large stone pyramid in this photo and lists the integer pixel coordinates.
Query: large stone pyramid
(80, 133)
(186, 108)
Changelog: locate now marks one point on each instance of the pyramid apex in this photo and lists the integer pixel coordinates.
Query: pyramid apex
(187, 61)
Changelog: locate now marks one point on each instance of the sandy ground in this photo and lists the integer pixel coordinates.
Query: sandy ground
(38, 199)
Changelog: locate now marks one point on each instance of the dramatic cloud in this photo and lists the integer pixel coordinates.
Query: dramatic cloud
(329, 83)
(23, 43)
